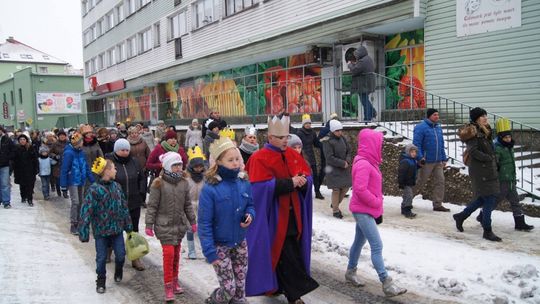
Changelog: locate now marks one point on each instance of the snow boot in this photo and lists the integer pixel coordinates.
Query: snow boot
(460, 218)
(338, 215)
(350, 276)
(118, 272)
(192, 255)
(176, 288)
(521, 225)
(479, 217)
(73, 229)
(318, 195)
(407, 212)
(390, 288)
(490, 236)
(169, 292)
(30, 203)
(100, 284)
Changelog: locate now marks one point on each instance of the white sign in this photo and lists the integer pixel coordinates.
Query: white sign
(482, 16)
(58, 103)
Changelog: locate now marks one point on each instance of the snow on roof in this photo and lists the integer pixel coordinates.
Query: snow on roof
(16, 51)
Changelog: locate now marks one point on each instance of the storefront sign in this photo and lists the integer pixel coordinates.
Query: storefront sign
(58, 103)
(5, 110)
(475, 16)
(110, 87)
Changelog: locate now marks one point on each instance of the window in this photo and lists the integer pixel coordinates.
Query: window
(121, 51)
(145, 40)
(132, 47)
(204, 12)
(93, 65)
(101, 62)
(99, 28)
(111, 57)
(110, 20)
(178, 25)
(132, 7)
(87, 37)
(157, 38)
(20, 95)
(43, 70)
(84, 7)
(12, 98)
(6, 55)
(93, 29)
(120, 15)
(87, 68)
(235, 6)
(93, 3)
(178, 48)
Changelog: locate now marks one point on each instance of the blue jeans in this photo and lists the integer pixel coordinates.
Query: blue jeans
(102, 244)
(45, 185)
(369, 110)
(488, 204)
(5, 186)
(366, 229)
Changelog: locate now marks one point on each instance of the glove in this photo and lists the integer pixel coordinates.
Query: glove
(83, 239)
(194, 228)
(149, 231)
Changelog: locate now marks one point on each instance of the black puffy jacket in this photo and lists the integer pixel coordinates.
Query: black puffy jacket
(130, 176)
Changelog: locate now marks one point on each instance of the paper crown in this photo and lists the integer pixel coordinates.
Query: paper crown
(227, 132)
(279, 127)
(76, 138)
(503, 125)
(219, 146)
(250, 131)
(99, 165)
(195, 152)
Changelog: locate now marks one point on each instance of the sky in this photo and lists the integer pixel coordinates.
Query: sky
(51, 26)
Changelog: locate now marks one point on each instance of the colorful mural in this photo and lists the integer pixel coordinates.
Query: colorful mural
(137, 105)
(287, 84)
(404, 61)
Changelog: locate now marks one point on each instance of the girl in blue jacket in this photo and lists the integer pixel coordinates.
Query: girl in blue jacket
(225, 211)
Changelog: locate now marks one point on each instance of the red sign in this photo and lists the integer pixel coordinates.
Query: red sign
(111, 87)
(5, 110)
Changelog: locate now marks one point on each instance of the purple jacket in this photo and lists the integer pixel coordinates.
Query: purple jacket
(367, 196)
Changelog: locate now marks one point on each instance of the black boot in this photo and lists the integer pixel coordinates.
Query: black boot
(479, 217)
(489, 235)
(30, 203)
(118, 272)
(460, 218)
(318, 195)
(100, 284)
(521, 225)
(407, 212)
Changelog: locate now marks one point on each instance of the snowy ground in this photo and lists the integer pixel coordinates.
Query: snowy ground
(42, 263)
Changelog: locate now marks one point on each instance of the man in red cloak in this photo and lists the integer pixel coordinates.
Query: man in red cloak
(279, 240)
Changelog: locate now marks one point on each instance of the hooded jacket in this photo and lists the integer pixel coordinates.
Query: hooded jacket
(74, 170)
(505, 160)
(363, 80)
(367, 195)
(337, 151)
(193, 137)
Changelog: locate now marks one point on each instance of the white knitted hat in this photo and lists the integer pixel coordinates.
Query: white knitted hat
(169, 159)
(335, 125)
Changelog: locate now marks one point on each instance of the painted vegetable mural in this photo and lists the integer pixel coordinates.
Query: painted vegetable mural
(404, 56)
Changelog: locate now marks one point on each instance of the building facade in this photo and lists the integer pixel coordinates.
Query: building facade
(173, 60)
(37, 90)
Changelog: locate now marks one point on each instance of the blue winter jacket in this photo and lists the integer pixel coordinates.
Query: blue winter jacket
(222, 206)
(45, 164)
(428, 137)
(74, 171)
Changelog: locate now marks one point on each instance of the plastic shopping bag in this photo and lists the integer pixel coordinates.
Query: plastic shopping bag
(136, 246)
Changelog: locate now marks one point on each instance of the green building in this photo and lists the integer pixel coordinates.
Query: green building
(37, 90)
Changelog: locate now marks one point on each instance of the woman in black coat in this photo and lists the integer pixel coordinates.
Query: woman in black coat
(131, 177)
(481, 159)
(25, 168)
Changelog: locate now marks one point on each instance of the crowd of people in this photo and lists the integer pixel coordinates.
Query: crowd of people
(243, 197)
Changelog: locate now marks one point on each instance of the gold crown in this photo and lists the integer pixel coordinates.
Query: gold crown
(503, 125)
(279, 127)
(99, 165)
(227, 132)
(219, 146)
(195, 152)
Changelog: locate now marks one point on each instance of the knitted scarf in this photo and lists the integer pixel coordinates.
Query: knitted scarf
(168, 148)
(248, 148)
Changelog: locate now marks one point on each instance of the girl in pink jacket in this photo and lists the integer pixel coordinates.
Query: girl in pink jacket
(366, 206)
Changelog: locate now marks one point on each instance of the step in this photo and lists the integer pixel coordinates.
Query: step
(527, 155)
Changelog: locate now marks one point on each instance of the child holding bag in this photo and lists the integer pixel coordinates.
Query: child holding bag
(105, 208)
(168, 206)
(225, 211)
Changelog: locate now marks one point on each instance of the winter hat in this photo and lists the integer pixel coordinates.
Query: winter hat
(169, 159)
(61, 132)
(333, 116)
(476, 113)
(213, 124)
(306, 119)
(250, 131)
(76, 138)
(430, 112)
(504, 127)
(121, 144)
(218, 146)
(102, 132)
(409, 148)
(295, 141)
(24, 136)
(335, 125)
(195, 120)
(43, 149)
(170, 134)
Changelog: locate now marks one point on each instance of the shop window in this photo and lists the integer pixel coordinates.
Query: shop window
(43, 70)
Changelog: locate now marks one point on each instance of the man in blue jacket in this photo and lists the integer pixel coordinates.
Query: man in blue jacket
(428, 137)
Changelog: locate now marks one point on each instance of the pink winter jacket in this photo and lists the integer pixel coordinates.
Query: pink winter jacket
(367, 194)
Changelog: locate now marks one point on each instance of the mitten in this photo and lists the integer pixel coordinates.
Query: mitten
(149, 231)
(194, 228)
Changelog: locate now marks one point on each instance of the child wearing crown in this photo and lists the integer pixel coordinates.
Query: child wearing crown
(105, 208)
(195, 177)
(225, 212)
(169, 205)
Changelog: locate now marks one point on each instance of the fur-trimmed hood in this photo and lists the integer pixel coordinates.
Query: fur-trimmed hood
(467, 132)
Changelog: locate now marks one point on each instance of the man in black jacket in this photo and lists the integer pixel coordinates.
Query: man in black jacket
(363, 80)
(7, 150)
(215, 116)
(309, 141)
